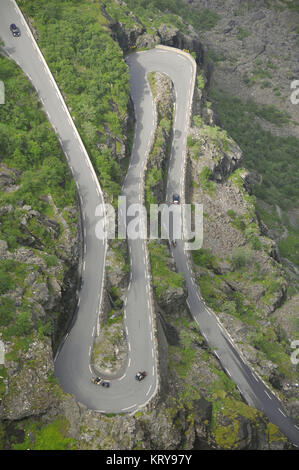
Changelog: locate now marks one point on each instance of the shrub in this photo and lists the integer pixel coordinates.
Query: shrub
(274, 158)
(204, 258)
(7, 310)
(231, 213)
(203, 20)
(6, 282)
(50, 436)
(243, 33)
(163, 275)
(206, 183)
(240, 258)
(21, 327)
(200, 81)
(51, 260)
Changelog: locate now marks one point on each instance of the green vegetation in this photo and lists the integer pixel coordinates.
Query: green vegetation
(240, 258)
(187, 353)
(7, 310)
(51, 261)
(152, 82)
(247, 225)
(12, 273)
(112, 338)
(163, 276)
(271, 114)
(28, 144)
(205, 180)
(216, 56)
(202, 377)
(266, 341)
(200, 81)
(194, 146)
(204, 258)
(52, 436)
(156, 175)
(120, 254)
(215, 134)
(167, 11)
(32, 158)
(274, 158)
(243, 33)
(291, 4)
(21, 327)
(274, 433)
(289, 247)
(227, 435)
(88, 66)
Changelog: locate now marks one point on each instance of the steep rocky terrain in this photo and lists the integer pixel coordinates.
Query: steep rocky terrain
(39, 250)
(254, 49)
(39, 297)
(198, 406)
(110, 347)
(238, 267)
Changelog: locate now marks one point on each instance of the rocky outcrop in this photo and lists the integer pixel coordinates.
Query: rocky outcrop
(42, 286)
(8, 177)
(28, 390)
(194, 410)
(134, 34)
(255, 53)
(163, 93)
(110, 347)
(215, 151)
(239, 272)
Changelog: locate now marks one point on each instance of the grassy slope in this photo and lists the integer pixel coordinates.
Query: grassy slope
(46, 29)
(89, 69)
(28, 144)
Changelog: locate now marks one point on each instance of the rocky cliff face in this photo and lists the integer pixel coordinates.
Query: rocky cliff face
(198, 406)
(254, 50)
(42, 291)
(255, 43)
(110, 347)
(136, 36)
(237, 268)
(163, 93)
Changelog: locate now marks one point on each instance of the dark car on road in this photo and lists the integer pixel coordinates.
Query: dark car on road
(15, 30)
(176, 199)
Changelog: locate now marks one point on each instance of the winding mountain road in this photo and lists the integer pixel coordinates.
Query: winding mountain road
(72, 363)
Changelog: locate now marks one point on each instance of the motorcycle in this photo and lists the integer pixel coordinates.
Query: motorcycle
(140, 375)
(99, 381)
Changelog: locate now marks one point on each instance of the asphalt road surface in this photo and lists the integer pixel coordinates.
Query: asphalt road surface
(72, 364)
